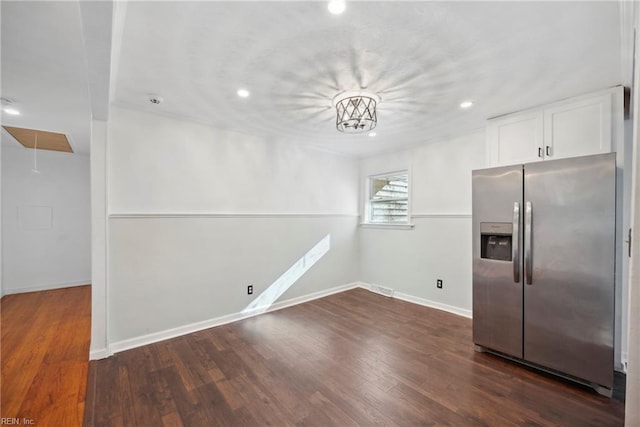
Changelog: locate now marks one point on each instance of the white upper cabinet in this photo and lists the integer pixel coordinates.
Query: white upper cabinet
(578, 128)
(516, 138)
(575, 127)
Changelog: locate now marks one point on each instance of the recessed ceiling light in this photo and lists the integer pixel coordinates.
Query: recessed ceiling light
(337, 6)
(243, 93)
(11, 111)
(372, 134)
(466, 104)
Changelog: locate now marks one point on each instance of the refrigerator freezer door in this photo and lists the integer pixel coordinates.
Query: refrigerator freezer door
(497, 284)
(568, 322)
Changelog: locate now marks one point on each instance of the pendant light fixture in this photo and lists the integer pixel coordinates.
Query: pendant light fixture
(356, 111)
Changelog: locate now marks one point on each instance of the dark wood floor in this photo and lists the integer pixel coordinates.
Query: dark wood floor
(45, 356)
(354, 358)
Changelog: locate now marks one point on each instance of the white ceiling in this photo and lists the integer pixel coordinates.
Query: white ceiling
(421, 58)
(55, 59)
(44, 69)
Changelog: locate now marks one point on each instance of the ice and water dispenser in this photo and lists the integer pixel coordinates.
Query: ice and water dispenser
(495, 240)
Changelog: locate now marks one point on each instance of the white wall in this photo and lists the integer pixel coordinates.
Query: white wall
(170, 272)
(1, 192)
(632, 409)
(46, 220)
(439, 246)
(99, 344)
(158, 164)
(196, 214)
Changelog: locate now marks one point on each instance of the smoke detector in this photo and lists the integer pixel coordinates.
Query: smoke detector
(155, 99)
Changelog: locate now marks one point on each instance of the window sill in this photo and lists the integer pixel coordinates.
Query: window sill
(387, 226)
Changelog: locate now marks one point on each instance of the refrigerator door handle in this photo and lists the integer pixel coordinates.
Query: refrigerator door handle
(528, 264)
(515, 244)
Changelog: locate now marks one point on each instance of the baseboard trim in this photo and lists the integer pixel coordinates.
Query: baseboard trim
(135, 342)
(433, 304)
(46, 287)
(101, 353)
(420, 301)
(130, 343)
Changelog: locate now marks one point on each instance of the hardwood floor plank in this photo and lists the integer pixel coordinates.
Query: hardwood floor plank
(45, 355)
(107, 398)
(125, 396)
(24, 346)
(90, 396)
(172, 420)
(354, 358)
(337, 416)
(259, 404)
(230, 394)
(184, 401)
(161, 394)
(150, 398)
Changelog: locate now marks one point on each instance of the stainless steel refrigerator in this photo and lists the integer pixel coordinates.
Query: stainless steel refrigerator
(543, 265)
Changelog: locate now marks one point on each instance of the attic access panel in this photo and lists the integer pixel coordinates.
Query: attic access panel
(46, 140)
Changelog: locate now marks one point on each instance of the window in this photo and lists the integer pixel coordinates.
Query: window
(389, 199)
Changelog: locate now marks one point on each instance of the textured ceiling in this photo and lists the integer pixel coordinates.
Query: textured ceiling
(421, 58)
(55, 60)
(44, 69)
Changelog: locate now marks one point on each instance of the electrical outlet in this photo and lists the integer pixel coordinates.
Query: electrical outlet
(250, 289)
(439, 283)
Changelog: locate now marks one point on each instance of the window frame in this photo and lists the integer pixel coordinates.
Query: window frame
(369, 202)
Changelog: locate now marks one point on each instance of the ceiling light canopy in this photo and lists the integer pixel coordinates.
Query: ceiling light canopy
(336, 7)
(356, 111)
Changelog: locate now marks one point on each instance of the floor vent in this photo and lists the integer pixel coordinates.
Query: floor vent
(382, 291)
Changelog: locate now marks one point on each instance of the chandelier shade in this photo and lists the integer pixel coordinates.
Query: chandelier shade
(356, 112)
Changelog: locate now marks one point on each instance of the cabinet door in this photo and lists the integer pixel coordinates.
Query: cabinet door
(516, 138)
(578, 128)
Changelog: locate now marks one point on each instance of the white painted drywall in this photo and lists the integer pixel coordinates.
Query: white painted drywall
(632, 409)
(623, 223)
(198, 214)
(160, 164)
(439, 246)
(1, 192)
(99, 346)
(170, 272)
(621, 139)
(46, 220)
